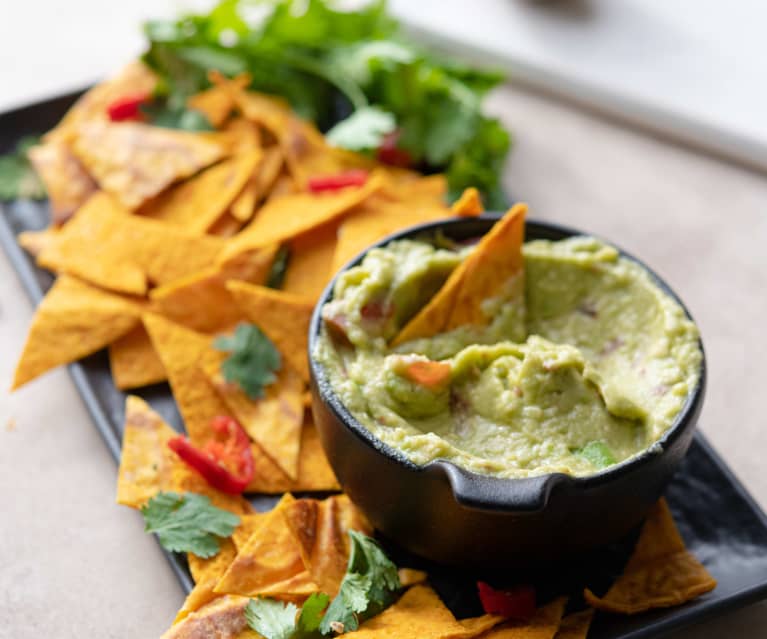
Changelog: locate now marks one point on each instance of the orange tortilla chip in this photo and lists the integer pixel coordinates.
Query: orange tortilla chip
(469, 204)
(475, 626)
(275, 421)
(244, 206)
(283, 317)
(495, 262)
(412, 188)
(107, 246)
(543, 625)
(222, 618)
(66, 181)
(214, 103)
(575, 625)
(212, 568)
(310, 263)
(248, 525)
(73, 320)
(146, 462)
(134, 362)
(135, 161)
(321, 530)
(197, 204)
(187, 480)
(201, 594)
(286, 217)
(225, 226)
(411, 577)
(35, 242)
(660, 573)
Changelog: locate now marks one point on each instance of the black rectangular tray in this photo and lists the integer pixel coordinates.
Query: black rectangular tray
(720, 522)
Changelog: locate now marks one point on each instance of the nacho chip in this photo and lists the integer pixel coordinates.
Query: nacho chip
(310, 262)
(225, 226)
(496, 260)
(222, 618)
(543, 625)
(248, 525)
(259, 185)
(212, 568)
(185, 479)
(146, 462)
(135, 161)
(201, 300)
(286, 217)
(476, 626)
(66, 181)
(107, 246)
(199, 202)
(575, 625)
(411, 577)
(35, 242)
(214, 103)
(419, 613)
(660, 573)
(73, 320)
(321, 530)
(469, 204)
(134, 362)
(201, 594)
(283, 317)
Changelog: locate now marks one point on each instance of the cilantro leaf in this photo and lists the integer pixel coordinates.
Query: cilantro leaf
(279, 268)
(309, 620)
(181, 118)
(188, 523)
(18, 179)
(598, 453)
(253, 362)
(270, 618)
(362, 130)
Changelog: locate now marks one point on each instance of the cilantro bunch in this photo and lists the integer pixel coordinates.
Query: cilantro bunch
(352, 66)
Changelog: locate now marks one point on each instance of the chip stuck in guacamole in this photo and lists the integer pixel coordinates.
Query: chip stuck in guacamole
(573, 360)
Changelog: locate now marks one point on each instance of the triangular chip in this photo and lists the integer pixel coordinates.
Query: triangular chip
(222, 618)
(411, 577)
(35, 242)
(274, 421)
(476, 626)
(185, 479)
(484, 274)
(212, 568)
(214, 103)
(146, 462)
(575, 625)
(661, 572)
(225, 226)
(543, 625)
(72, 321)
(469, 204)
(133, 360)
(283, 218)
(283, 317)
(248, 525)
(199, 202)
(321, 530)
(310, 262)
(135, 161)
(259, 185)
(201, 594)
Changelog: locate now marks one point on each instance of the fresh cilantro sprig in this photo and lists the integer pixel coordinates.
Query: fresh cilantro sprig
(253, 359)
(370, 585)
(18, 179)
(188, 523)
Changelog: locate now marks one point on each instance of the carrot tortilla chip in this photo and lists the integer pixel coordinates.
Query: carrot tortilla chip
(107, 246)
(146, 462)
(469, 204)
(66, 181)
(201, 594)
(199, 202)
(411, 577)
(661, 572)
(214, 103)
(275, 421)
(222, 618)
(286, 217)
(212, 568)
(136, 161)
(72, 321)
(225, 226)
(321, 529)
(283, 317)
(543, 625)
(494, 264)
(575, 625)
(35, 242)
(133, 360)
(248, 525)
(310, 262)
(259, 185)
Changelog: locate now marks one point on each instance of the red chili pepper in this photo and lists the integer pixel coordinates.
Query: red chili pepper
(355, 177)
(226, 462)
(127, 107)
(515, 603)
(389, 153)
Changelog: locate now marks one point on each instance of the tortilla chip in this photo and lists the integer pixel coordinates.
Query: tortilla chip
(199, 202)
(419, 613)
(270, 556)
(321, 530)
(146, 462)
(283, 317)
(222, 618)
(310, 263)
(469, 204)
(575, 625)
(66, 181)
(135, 161)
(212, 568)
(411, 577)
(73, 320)
(495, 261)
(410, 187)
(660, 573)
(543, 625)
(35, 242)
(248, 525)
(201, 594)
(134, 362)
(185, 479)
(107, 246)
(201, 300)
(241, 136)
(214, 103)
(475, 626)
(225, 226)
(286, 217)
(244, 206)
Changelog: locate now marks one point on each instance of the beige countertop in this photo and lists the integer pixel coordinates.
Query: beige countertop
(74, 564)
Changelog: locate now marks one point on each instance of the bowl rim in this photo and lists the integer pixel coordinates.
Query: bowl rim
(487, 492)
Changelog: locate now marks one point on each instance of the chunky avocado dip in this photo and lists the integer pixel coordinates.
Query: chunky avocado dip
(583, 360)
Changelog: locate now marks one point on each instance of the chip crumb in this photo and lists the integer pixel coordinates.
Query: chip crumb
(10, 424)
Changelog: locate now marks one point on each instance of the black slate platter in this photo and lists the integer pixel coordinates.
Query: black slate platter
(720, 522)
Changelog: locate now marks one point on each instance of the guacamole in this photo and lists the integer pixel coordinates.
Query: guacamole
(583, 362)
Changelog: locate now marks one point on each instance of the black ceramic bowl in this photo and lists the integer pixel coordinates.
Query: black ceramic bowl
(450, 515)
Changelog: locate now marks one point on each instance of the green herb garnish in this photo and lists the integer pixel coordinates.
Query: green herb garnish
(253, 359)
(18, 179)
(598, 453)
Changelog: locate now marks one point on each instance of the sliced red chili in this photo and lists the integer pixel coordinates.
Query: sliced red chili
(389, 153)
(127, 107)
(320, 183)
(513, 603)
(226, 461)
